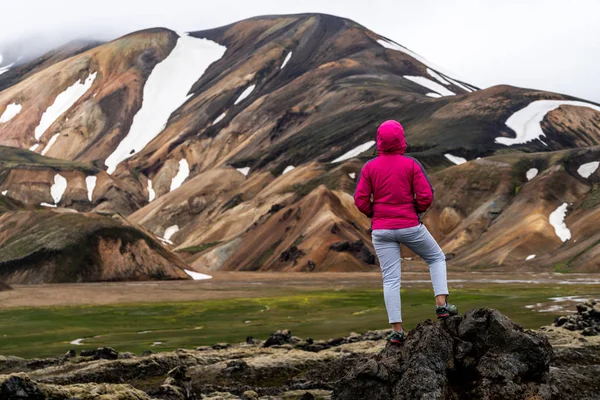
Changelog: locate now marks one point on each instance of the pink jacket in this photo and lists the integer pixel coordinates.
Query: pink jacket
(398, 184)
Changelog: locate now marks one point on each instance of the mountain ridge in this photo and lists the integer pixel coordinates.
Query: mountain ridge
(280, 121)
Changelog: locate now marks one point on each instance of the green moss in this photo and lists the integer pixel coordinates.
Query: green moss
(320, 314)
(199, 248)
(11, 157)
(331, 181)
(298, 241)
(262, 259)
(562, 268)
(233, 202)
(592, 200)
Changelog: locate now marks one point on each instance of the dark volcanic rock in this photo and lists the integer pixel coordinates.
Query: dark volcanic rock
(101, 353)
(177, 386)
(481, 356)
(587, 319)
(279, 338)
(20, 387)
(292, 254)
(357, 248)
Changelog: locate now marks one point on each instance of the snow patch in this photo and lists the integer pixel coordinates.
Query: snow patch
(144, 332)
(155, 344)
(4, 192)
(354, 152)
(182, 174)
(50, 143)
(287, 59)
(395, 46)
(526, 122)
(530, 257)
(165, 91)
(245, 94)
(532, 173)
(586, 170)
(90, 183)
(58, 189)
(62, 103)
(165, 241)
(568, 298)
(43, 204)
(557, 220)
(352, 175)
(77, 342)
(429, 84)
(288, 169)
(6, 68)
(454, 82)
(151, 192)
(436, 95)
(244, 170)
(219, 118)
(34, 147)
(170, 231)
(10, 112)
(196, 275)
(437, 76)
(455, 159)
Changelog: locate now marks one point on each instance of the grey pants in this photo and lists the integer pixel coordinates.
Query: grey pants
(387, 246)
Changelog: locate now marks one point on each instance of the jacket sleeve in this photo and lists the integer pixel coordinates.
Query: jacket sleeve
(421, 188)
(362, 195)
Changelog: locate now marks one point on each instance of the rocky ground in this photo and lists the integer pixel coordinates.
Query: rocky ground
(481, 355)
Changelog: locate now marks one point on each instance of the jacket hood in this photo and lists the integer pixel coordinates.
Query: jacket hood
(390, 138)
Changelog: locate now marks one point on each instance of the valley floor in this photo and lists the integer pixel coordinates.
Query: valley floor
(48, 320)
(232, 285)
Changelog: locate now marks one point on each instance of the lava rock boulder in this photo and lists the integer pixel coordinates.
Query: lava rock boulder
(483, 355)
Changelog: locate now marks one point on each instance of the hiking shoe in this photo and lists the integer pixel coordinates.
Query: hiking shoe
(446, 310)
(395, 337)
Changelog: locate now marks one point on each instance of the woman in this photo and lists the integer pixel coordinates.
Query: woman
(392, 190)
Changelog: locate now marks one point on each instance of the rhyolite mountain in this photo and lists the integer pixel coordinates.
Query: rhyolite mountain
(238, 147)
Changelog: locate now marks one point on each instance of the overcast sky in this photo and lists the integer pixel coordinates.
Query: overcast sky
(543, 44)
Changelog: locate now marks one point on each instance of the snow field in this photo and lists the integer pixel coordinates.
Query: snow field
(532, 173)
(62, 103)
(90, 183)
(151, 192)
(395, 46)
(245, 94)
(50, 143)
(557, 220)
(244, 171)
(182, 174)
(219, 118)
(165, 91)
(437, 76)
(586, 170)
(288, 169)
(354, 152)
(455, 159)
(196, 275)
(526, 122)
(10, 112)
(429, 84)
(287, 59)
(170, 231)
(58, 189)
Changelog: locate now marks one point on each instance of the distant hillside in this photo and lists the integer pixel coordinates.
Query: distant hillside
(240, 146)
